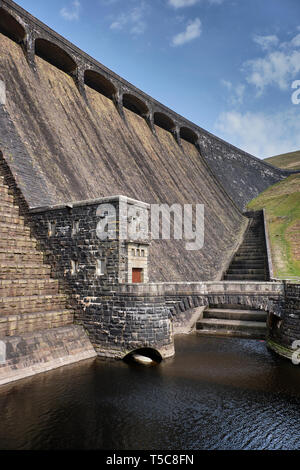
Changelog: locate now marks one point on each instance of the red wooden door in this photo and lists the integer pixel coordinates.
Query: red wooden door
(137, 275)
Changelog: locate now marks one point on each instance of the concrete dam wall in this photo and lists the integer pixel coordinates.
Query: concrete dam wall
(62, 149)
(71, 130)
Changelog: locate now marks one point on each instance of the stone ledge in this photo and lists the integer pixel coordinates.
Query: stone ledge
(90, 202)
(45, 350)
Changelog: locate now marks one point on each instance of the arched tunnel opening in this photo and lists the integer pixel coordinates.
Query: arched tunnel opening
(99, 83)
(144, 356)
(10, 27)
(55, 55)
(163, 121)
(188, 135)
(135, 105)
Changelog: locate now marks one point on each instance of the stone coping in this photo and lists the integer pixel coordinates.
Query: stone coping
(203, 288)
(268, 245)
(91, 202)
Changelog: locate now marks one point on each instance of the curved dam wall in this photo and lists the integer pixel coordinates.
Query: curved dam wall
(62, 148)
(243, 176)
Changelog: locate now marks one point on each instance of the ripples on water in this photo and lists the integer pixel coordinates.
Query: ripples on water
(215, 394)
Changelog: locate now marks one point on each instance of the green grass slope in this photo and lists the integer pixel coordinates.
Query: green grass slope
(282, 204)
(288, 161)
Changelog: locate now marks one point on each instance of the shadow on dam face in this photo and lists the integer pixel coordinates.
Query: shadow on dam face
(143, 356)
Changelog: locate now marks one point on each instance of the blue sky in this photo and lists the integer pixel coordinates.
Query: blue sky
(227, 65)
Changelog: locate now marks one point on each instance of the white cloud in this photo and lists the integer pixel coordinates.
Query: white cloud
(189, 3)
(182, 3)
(71, 13)
(261, 134)
(192, 31)
(236, 96)
(239, 93)
(296, 41)
(278, 67)
(133, 20)
(227, 84)
(108, 2)
(266, 42)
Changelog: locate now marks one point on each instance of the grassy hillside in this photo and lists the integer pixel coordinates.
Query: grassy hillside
(282, 205)
(288, 161)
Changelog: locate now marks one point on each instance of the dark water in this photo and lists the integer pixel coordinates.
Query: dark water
(216, 394)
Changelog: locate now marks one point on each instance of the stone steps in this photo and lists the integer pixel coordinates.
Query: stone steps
(244, 277)
(9, 210)
(24, 271)
(252, 251)
(4, 190)
(34, 303)
(246, 270)
(245, 266)
(18, 229)
(249, 256)
(13, 325)
(11, 220)
(233, 328)
(229, 333)
(234, 314)
(5, 197)
(252, 244)
(29, 299)
(231, 324)
(250, 261)
(21, 258)
(250, 264)
(29, 287)
(19, 272)
(232, 320)
(15, 249)
(17, 242)
(229, 307)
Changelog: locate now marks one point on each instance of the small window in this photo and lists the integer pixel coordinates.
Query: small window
(75, 228)
(143, 253)
(74, 267)
(100, 268)
(133, 252)
(51, 229)
(138, 252)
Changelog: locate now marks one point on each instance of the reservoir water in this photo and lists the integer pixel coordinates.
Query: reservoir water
(215, 394)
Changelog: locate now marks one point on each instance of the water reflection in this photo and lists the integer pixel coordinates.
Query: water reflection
(215, 394)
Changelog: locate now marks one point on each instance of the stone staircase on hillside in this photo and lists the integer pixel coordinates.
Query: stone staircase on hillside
(250, 263)
(29, 299)
(232, 320)
(251, 260)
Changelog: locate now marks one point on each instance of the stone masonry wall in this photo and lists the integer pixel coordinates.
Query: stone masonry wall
(44, 350)
(117, 323)
(284, 327)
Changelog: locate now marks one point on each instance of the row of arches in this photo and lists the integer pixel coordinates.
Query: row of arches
(58, 57)
(130, 101)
